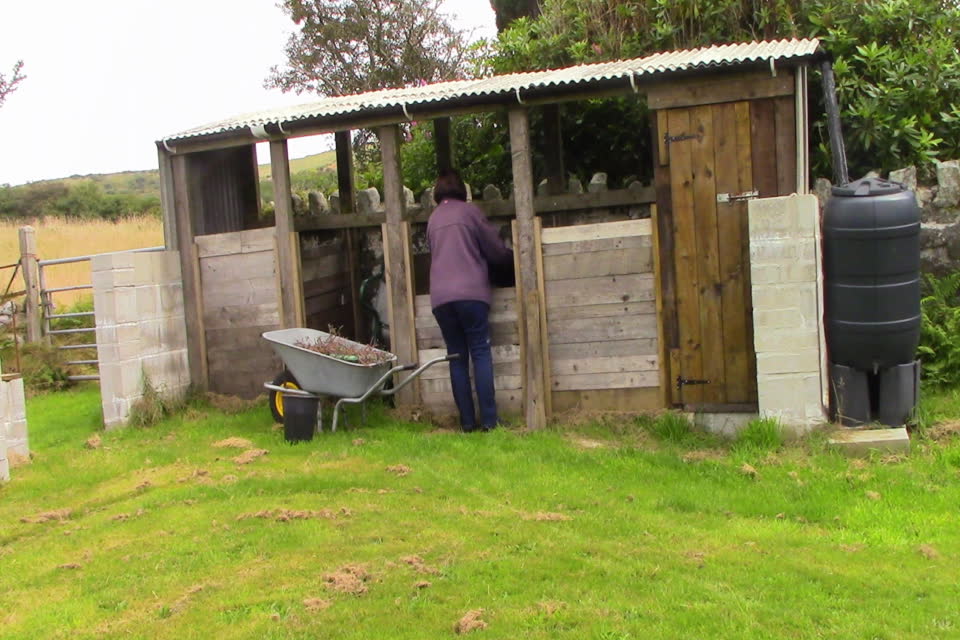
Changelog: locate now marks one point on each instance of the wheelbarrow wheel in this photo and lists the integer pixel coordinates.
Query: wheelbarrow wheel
(286, 380)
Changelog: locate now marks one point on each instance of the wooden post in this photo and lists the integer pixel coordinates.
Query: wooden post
(345, 183)
(532, 345)
(288, 263)
(189, 273)
(443, 143)
(165, 165)
(31, 281)
(553, 150)
(396, 265)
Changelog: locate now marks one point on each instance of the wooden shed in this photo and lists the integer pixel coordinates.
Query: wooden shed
(629, 299)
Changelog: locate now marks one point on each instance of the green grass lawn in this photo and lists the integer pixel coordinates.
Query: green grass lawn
(396, 530)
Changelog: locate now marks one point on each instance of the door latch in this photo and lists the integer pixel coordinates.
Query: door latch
(667, 138)
(681, 382)
(737, 197)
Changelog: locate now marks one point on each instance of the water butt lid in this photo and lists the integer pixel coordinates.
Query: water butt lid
(866, 187)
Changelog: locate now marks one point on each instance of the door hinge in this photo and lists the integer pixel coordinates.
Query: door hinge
(681, 382)
(737, 197)
(667, 138)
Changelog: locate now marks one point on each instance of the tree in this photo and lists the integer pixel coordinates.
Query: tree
(896, 61)
(9, 86)
(351, 46)
(509, 10)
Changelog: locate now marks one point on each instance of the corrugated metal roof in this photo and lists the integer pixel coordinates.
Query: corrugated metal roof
(516, 84)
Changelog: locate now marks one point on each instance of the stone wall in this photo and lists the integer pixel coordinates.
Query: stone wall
(785, 268)
(141, 333)
(939, 200)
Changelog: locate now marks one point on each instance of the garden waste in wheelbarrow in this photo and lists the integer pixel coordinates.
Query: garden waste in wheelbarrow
(316, 374)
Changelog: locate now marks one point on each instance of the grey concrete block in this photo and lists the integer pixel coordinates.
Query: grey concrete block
(948, 181)
(598, 183)
(725, 424)
(368, 200)
(491, 192)
(862, 442)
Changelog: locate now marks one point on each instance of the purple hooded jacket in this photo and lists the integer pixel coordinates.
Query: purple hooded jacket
(462, 242)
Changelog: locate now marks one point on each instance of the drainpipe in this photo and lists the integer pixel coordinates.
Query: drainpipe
(837, 150)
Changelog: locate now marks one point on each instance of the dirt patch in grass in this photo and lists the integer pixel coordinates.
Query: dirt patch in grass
(349, 578)
(57, 515)
(15, 460)
(928, 552)
(70, 566)
(581, 442)
(702, 455)
(547, 516)
(399, 469)
(748, 470)
(944, 430)
(121, 517)
(314, 605)
(873, 495)
(250, 455)
(233, 443)
(232, 404)
(358, 442)
(423, 584)
(550, 607)
(286, 515)
(93, 442)
(418, 565)
(470, 621)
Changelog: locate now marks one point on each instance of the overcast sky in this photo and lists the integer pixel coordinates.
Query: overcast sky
(107, 78)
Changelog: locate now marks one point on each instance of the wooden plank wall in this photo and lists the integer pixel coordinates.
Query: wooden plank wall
(327, 285)
(435, 389)
(240, 300)
(601, 316)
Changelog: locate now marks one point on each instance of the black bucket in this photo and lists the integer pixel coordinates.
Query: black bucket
(299, 417)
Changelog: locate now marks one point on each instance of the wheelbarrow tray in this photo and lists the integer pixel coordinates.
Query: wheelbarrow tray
(323, 374)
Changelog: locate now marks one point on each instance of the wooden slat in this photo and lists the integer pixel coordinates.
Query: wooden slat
(541, 300)
(584, 350)
(660, 143)
(745, 172)
(685, 252)
(345, 182)
(396, 266)
(784, 113)
(443, 385)
(502, 301)
(626, 380)
(523, 192)
(242, 266)
(288, 263)
(597, 231)
(609, 364)
(714, 89)
(601, 311)
(635, 287)
(604, 244)
(242, 316)
(708, 254)
(315, 268)
(190, 274)
(730, 150)
(239, 339)
(500, 333)
(596, 329)
(664, 266)
(167, 199)
(333, 282)
(353, 270)
(506, 361)
(521, 322)
(764, 153)
(220, 244)
(249, 291)
(598, 263)
(608, 400)
(662, 358)
(326, 302)
(509, 402)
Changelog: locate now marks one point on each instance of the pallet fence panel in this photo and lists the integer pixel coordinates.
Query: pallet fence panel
(602, 333)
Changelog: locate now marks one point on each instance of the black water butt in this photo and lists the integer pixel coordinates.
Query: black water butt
(299, 417)
(871, 250)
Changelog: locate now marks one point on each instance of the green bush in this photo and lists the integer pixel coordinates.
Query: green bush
(939, 349)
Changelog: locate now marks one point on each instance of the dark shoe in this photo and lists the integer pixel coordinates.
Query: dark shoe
(472, 429)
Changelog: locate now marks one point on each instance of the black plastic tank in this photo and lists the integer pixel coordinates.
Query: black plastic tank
(871, 247)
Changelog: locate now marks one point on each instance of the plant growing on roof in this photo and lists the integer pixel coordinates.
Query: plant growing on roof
(9, 85)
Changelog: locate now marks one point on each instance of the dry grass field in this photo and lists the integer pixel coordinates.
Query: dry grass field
(60, 238)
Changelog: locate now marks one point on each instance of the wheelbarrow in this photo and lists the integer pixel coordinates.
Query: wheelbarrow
(313, 375)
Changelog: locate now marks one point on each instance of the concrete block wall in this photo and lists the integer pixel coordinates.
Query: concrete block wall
(14, 440)
(141, 332)
(785, 268)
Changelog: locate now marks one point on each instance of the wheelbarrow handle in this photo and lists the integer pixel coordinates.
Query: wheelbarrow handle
(408, 367)
(452, 356)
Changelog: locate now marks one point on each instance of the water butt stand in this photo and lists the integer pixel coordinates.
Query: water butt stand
(871, 243)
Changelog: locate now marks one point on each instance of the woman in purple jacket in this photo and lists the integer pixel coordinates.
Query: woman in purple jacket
(462, 243)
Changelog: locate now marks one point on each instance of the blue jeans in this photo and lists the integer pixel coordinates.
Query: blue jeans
(466, 332)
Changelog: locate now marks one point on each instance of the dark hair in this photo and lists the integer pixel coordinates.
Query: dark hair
(449, 185)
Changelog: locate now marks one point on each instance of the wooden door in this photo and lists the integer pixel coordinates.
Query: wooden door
(708, 151)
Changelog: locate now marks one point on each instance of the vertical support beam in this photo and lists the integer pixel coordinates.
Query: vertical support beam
(189, 273)
(345, 184)
(396, 266)
(31, 281)
(553, 150)
(291, 294)
(165, 165)
(532, 345)
(443, 144)
(803, 131)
